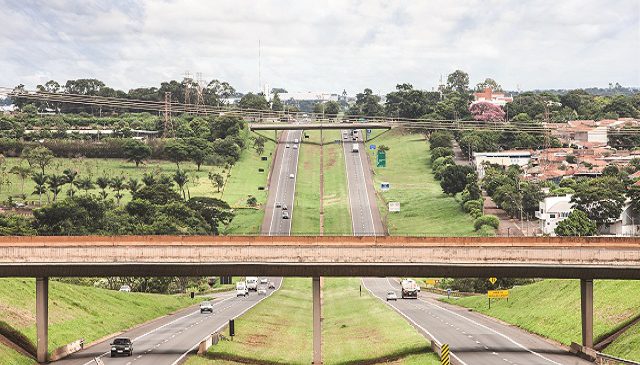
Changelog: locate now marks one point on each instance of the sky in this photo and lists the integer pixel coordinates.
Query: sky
(323, 46)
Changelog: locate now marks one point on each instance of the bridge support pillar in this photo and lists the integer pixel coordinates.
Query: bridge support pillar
(586, 306)
(42, 318)
(317, 321)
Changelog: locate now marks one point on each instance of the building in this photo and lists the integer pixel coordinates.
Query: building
(495, 98)
(627, 225)
(502, 158)
(553, 210)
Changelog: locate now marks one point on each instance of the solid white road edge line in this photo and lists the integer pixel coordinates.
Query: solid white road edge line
(412, 321)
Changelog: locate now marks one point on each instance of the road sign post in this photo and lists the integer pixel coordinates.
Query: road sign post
(497, 294)
(444, 355)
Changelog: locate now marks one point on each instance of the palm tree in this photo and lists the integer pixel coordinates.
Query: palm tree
(85, 183)
(55, 184)
(103, 183)
(71, 178)
(149, 179)
(181, 178)
(217, 180)
(23, 173)
(117, 184)
(41, 180)
(133, 185)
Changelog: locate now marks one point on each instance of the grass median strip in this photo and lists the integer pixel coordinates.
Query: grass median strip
(551, 308)
(306, 213)
(337, 220)
(356, 330)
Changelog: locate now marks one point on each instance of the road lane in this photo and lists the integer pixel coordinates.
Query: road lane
(474, 339)
(282, 187)
(365, 217)
(168, 340)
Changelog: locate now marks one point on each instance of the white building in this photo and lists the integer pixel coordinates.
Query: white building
(502, 158)
(553, 210)
(627, 225)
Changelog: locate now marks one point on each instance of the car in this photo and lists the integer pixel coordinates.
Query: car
(355, 138)
(391, 295)
(284, 207)
(241, 289)
(278, 205)
(285, 215)
(291, 176)
(206, 307)
(121, 346)
(264, 280)
(295, 141)
(287, 146)
(295, 146)
(262, 290)
(272, 285)
(125, 288)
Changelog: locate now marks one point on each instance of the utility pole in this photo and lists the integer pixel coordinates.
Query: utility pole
(168, 124)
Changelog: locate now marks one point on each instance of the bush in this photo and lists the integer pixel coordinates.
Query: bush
(440, 139)
(441, 152)
(475, 213)
(486, 220)
(486, 231)
(472, 205)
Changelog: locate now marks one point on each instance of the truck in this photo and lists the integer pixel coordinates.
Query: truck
(252, 283)
(409, 289)
(355, 148)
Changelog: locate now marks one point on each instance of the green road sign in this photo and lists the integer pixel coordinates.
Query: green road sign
(382, 159)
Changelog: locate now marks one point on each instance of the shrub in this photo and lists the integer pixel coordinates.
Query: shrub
(486, 231)
(486, 220)
(475, 213)
(440, 139)
(472, 205)
(441, 152)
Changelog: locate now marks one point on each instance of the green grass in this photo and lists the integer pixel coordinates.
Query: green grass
(551, 308)
(355, 329)
(306, 213)
(10, 357)
(626, 346)
(79, 311)
(425, 209)
(336, 199)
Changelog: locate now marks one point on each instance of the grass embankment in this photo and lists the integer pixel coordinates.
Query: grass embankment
(424, 208)
(627, 345)
(551, 308)
(355, 329)
(77, 312)
(243, 183)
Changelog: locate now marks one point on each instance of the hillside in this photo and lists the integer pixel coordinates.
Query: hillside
(551, 308)
(77, 312)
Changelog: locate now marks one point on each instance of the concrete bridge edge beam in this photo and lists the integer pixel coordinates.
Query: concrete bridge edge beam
(317, 321)
(42, 319)
(586, 306)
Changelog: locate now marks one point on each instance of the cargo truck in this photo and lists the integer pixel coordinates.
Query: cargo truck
(409, 289)
(355, 148)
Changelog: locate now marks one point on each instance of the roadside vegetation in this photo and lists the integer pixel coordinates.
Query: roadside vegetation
(76, 312)
(306, 209)
(551, 308)
(282, 333)
(424, 208)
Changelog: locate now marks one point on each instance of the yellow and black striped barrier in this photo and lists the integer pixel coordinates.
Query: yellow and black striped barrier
(444, 355)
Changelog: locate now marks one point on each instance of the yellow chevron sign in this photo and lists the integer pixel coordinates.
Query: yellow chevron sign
(444, 355)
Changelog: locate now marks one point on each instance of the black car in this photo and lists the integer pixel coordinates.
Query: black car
(121, 346)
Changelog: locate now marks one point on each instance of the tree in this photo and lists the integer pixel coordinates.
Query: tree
(276, 103)
(487, 112)
(117, 184)
(79, 215)
(253, 101)
(70, 176)
(133, 185)
(23, 173)
(40, 180)
(440, 139)
(457, 81)
(407, 102)
(602, 199)
(634, 199)
(103, 183)
(198, 149)
(85, 183)
(383, 148)
(252, 201)
(330, 108)
(158, 193)
(176, 151)
(438, 152)
(367, 104)
(454, 178)
(38, 156)
(55, 183)
(217, 180)
(136, 151)
(181, 179)
(213, 211)
(488, 82)
(576, 224)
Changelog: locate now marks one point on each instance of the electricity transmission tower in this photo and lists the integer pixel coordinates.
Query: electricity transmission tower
(168, 123)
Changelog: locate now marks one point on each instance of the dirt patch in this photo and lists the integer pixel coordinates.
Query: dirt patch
(256, 340)
(17, 317)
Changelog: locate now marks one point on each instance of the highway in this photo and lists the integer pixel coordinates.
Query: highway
(168, 340)
(282, 186)
(365, 216)
(473, 338)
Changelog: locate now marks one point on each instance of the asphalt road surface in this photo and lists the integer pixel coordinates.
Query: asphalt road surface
(365, 217)
(168, 340)
(473, 338)
(282, 186)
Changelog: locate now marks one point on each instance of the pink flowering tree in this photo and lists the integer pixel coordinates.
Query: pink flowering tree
(487, 112)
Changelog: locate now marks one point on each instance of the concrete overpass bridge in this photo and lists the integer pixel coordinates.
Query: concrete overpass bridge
(528, 257)
(318, 126)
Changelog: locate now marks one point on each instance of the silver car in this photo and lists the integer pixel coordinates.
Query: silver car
(391, 295)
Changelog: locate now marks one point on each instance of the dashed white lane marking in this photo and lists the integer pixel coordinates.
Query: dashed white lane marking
(139, 356)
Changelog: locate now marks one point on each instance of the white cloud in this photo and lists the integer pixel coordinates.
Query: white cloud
(322, 45)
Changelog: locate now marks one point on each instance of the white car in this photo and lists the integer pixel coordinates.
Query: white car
(262, 290)
(264, 280)
(285, 215)
(241, 289)
(125, 288)
(295, 141)
(391, 295)
(295, 146)
(206, 307)
(278, 204)
(291, 176)
(272, 285)
(287, 146)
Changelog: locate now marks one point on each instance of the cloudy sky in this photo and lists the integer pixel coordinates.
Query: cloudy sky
(322, 45)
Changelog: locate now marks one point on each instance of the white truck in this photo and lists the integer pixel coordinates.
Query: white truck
(355, 148)
(252, 283)
(409, 289)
